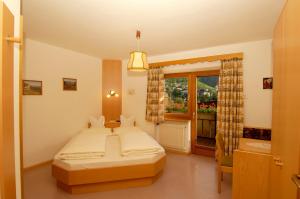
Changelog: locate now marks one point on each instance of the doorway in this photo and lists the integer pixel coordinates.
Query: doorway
(206, 113)
(193, 96)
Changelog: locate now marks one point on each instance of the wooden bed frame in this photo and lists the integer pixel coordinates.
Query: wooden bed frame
(104, 179)
(111, 124)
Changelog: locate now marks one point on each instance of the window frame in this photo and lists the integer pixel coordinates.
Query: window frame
(192, 79)
(188, 114)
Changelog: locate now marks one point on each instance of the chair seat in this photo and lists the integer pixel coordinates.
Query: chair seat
(227, 161)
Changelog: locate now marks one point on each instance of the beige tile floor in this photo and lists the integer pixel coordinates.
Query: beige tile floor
(185, 176)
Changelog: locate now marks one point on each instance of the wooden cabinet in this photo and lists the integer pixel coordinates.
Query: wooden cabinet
(7, 155)
(286, 97)
(251, 169)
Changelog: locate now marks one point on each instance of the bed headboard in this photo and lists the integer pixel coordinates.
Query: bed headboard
(113, 124)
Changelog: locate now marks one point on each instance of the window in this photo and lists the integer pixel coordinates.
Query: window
(184, 91)
(207, 95)
(176, 95)
(207, 90)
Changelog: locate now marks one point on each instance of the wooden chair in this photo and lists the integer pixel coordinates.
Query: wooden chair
(224, 162)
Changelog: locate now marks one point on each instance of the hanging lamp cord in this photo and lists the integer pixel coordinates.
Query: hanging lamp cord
(138, 37)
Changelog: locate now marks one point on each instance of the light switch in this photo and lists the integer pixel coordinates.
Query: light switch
(131, 91)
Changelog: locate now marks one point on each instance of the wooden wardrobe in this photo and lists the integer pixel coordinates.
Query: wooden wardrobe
(286, 103)
(7, 155)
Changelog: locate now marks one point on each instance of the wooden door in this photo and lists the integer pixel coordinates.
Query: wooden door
(7, 165)
(196, 147)
(286, 97)
(191, 113)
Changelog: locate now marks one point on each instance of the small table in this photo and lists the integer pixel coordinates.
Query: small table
(253, 145)
(112, 124)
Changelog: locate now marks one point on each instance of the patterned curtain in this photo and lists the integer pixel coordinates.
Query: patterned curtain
(230, 115)
(155, 95)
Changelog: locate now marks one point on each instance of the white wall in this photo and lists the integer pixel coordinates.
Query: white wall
(14, 7)
(51, 119)
(257, 64)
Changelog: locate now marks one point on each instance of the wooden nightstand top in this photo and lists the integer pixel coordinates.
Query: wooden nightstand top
(112, 124)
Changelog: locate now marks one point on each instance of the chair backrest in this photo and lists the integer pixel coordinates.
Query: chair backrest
(220, 145)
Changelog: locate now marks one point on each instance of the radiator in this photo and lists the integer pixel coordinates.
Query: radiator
(174, 135)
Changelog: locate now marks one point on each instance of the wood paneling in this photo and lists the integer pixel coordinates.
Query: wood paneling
(196, 60)
(107, 186)
(90, 180)
(285, 124)
(251, 172)
(111, 80)
(95, 175)
(7, 156)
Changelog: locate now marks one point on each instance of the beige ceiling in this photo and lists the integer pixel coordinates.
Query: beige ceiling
(106, 28)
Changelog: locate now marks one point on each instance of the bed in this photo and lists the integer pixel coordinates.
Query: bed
(117, 167)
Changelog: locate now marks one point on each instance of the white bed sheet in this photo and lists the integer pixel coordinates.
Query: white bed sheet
(88, 144)
(112, 158)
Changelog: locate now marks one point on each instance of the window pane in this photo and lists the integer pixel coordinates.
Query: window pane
(207, 90)
(176, 95)
(207, 94)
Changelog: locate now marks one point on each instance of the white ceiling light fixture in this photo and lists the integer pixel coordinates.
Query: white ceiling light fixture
(138, 59)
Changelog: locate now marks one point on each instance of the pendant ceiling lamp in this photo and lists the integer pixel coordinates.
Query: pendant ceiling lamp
(138, 59)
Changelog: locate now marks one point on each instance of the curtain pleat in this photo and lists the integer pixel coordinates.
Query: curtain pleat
(155, 96)
(230, 109)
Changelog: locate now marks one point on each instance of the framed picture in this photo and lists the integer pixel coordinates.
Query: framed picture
(32, 87)
(268, 83)
(69, 84)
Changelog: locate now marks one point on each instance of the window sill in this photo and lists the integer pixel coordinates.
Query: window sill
(177, 119)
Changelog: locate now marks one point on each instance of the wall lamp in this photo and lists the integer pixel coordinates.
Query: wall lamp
(112, 93)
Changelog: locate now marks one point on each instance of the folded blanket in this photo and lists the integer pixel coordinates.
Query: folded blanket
(138, 143)
(128, 130)
(89, 144)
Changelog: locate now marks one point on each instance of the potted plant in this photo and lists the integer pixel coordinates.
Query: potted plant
(207, 111)
(206, 120)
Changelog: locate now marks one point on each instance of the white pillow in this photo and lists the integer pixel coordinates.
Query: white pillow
(127, 122)
(97, 122)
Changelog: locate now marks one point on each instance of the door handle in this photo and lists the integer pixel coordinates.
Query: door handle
(276, 158)
(277, 161)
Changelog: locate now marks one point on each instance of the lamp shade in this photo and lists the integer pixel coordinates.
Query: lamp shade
(138, 61)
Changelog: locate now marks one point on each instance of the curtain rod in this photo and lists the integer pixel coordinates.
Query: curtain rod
(197, 59)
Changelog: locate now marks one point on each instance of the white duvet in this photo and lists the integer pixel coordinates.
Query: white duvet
(135, 142)
(89, 144)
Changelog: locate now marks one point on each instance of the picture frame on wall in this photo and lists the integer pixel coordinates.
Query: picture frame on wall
(32, 87)
(268, 83)
(69, 84)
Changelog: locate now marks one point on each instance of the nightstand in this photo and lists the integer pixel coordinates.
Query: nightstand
(112, 124)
